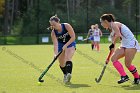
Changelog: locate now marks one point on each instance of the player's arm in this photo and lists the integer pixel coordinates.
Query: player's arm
(116, 36)
(117, 33)
(55, 42)
(88, 34)
(71, 33)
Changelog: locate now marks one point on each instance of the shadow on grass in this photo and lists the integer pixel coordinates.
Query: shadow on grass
(71, 85)
(109, 85)
(126, 87)
(133, 87)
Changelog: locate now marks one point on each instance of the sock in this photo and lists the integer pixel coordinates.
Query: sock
(69, 66)
(95, 46)
(92, 46)
(134, 71)
(98, 47)
(63, 70)
(119, 68)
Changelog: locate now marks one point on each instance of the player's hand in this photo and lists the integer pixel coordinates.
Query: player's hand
(55, 55)
(106, 61)
(111, 46)
(64, 47)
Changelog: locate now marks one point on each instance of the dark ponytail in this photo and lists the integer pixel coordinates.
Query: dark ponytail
(112, 17)
(108, 17)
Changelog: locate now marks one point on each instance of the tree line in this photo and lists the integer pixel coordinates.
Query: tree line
(30, 17)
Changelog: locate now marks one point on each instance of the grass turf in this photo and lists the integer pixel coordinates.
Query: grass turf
(20, 67)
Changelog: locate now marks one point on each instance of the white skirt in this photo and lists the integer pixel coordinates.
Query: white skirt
(97, 38)
(130, 44)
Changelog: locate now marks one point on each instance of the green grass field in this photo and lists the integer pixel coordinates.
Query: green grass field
(21, 65)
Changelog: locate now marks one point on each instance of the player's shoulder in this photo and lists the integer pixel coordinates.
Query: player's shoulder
(116, 24)
(66, 24)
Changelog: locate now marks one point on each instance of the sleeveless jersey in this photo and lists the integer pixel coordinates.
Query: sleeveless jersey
(97, 32)
(63, 36)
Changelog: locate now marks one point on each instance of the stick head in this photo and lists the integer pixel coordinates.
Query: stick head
(97, 81)
(41, 80)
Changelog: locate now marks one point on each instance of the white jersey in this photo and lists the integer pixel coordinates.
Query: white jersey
(97, 32)
(128, 39)
(97, 35)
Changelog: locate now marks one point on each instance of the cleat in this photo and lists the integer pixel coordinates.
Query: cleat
(68, 77)
(136, 81)
(123, 79)
(65, 79)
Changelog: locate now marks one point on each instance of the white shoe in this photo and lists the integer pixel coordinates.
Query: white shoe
(65, 79)
(68, 77)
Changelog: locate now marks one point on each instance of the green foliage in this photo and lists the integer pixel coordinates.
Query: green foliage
(17, 28)
(29, 23)
(2, 7)
(34, 20)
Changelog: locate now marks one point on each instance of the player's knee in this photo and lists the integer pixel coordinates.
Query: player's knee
(113, 58)
(68, 58)
(61, 62)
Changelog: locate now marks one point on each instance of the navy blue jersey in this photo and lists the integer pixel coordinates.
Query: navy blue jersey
(91, 32)
(63, 36)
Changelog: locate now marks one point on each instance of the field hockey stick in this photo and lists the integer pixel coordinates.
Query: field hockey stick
(46, 70)
(84, 39)
(103, 70)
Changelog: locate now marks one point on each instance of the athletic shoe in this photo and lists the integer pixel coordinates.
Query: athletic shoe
(136, 81)
(68, 77)
(65, 78)
(123, 79)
